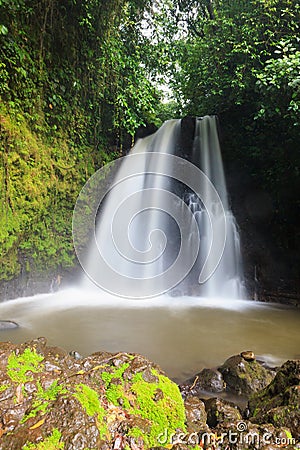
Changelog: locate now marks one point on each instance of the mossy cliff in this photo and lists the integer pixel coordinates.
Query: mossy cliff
(41, 179)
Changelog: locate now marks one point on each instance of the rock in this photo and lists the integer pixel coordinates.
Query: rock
(242, 435)
(248, 355)
(209, 380)
(195, 415)
(187, 127)
(279, 402)
(219, 410)
(245, 377)
(48, 399)
(144, 131)
(8, 324)
(75, 354)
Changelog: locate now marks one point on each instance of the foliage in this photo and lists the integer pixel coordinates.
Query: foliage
(240, 60)
(77, 78)
(74, 87)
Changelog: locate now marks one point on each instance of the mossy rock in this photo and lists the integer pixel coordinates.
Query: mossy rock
(279, 403)
(50, 400)
(245, 377)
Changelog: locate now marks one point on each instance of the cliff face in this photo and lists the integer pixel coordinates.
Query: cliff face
(40, 181)
(270, 252)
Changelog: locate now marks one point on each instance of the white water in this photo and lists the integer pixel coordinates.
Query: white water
(155, 234)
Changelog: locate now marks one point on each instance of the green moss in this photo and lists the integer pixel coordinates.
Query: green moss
(116, 392)
(115, 374)
(19, 365)
(50, 443)
(41, 180)
(88, 398)
(90, 402)
(43, 398)
(3, 387)
(167, 413)
(136, 433)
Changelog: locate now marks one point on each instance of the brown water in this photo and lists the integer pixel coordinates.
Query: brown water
(183, 335)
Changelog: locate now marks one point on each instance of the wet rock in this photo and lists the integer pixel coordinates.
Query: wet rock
(195, 415)
(188, 125)
(75, 354)
(248, 355)
(279, 402)
(245, 377)
(219, 410)
(149, 377)
(243, 435)
(209, 380)
(144, 131)
(7, 324)
(102, 401)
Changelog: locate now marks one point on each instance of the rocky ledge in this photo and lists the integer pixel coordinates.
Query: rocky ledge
(51, 400)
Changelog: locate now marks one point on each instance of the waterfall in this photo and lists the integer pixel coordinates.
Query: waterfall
(164, 224)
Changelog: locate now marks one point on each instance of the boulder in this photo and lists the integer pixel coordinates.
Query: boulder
(209, 380)
(195, 415)
(245, 377)
(242, 435)
(49, 399)
(220, 411)
(279, 403)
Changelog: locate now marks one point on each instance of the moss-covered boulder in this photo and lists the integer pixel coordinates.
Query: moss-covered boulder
(279, 403)
(50, 400)
(245, 377)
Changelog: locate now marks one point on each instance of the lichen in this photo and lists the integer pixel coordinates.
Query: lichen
(19, 365)
(50, 443)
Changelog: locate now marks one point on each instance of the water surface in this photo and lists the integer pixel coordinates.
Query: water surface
(183, 335)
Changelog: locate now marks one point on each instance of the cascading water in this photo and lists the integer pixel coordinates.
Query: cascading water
(159, 232)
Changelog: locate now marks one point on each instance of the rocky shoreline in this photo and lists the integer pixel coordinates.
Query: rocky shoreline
(50, 399)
